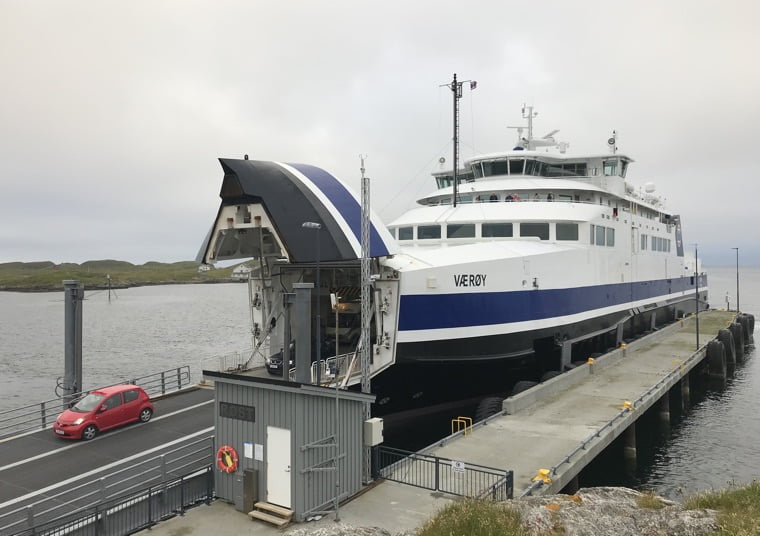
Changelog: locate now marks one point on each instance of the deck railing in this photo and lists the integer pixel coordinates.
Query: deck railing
(98, 497)
(442, 474)
(131, 512)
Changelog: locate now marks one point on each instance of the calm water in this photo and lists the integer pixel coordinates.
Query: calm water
(716, 442)
(148, 329)
(141, 331)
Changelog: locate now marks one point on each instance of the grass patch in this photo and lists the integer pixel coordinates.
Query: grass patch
(650, 501)
(470, 517)
(738, 507)
(48, 276)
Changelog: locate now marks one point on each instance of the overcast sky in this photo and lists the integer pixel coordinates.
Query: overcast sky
(113, 114)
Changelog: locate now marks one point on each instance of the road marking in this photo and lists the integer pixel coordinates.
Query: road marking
(105, 468)
(116, 432)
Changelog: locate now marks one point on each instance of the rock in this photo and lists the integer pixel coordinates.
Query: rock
(341, 529)
(612, 512)
(590, 512)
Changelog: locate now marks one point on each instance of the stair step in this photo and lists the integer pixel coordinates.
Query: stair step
(274, 520)
(273, 508)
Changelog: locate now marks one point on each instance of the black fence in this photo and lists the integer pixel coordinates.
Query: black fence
(442, 474)
(189, 457)
(133, 512)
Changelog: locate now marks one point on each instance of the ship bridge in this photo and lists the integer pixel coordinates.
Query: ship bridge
(266, 204)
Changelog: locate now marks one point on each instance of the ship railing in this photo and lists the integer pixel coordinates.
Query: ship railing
(444, 475)
(143, 492)
(43, 414)
(341, 368)
(236, 361)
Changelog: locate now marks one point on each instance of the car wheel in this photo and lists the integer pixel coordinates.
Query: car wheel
(146, 414)
(90, 432)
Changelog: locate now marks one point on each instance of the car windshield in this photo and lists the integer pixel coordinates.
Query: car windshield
(88, 403)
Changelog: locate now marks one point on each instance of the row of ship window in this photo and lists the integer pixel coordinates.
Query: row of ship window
(599, 234)
(535, 168)
(657, 243)
(564, 231)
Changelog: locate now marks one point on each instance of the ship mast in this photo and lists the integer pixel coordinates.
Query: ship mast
(456, 90)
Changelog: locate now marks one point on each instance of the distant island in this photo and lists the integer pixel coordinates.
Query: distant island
(48, 276)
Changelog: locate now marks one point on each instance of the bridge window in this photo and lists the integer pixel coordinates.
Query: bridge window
(567, 231)
(445, 181)
(465, 230)
(610, 167)
(541, 230)
(516, 167)
(498, 167)
(405, 233)
(496, 230)
(477, 170)
(428, 232)
(531, 167)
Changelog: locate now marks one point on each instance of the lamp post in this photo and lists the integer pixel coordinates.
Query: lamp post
(696, 290)
(336, 304)
(737, 278)
(316, 226)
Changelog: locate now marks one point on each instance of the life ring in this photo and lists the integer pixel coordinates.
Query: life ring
(227, 459)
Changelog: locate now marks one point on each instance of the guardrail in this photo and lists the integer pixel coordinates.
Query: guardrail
(442, 474)
(156, 471)
(132, 512)
(42, 415)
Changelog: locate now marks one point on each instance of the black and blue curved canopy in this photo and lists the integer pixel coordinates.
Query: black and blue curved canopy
(292, 194)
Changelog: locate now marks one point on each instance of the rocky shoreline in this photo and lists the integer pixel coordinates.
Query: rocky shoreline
(602, 511)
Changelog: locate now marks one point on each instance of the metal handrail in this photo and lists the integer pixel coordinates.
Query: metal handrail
(695, 356)
(438, 474)
(142, 507)
(194, 456)
(42, 415)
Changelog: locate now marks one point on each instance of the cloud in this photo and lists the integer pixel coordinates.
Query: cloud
(113, 114)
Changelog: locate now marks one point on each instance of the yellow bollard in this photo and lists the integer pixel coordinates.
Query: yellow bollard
(543, 476)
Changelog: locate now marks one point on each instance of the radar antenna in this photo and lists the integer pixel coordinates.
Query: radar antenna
(529, 143)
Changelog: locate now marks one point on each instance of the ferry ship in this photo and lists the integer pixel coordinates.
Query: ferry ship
(519, 264)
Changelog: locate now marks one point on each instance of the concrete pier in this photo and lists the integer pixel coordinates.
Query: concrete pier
(564, 423)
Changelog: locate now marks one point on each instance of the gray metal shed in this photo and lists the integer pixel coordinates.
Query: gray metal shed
(293, 442)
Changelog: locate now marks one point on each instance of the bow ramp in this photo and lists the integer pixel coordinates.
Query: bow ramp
(265, 204)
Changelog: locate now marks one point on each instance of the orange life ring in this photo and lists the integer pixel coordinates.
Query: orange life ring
(227, 459)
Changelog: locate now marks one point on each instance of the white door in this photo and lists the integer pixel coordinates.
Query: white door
(278, 466)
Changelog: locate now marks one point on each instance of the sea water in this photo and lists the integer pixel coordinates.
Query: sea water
(143, 330)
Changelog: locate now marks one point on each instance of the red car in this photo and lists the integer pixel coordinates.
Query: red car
(102, 409)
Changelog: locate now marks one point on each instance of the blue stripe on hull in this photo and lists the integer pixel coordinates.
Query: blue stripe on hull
(441, 311)
(346, 204)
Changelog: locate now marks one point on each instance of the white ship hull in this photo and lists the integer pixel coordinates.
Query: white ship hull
(465, 291)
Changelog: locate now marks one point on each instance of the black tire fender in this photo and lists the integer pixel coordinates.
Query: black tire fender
(716, 358)
(727, 338)
(490, 405)
(523, 385)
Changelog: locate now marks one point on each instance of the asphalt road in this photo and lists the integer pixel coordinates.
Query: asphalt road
(40, 465)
